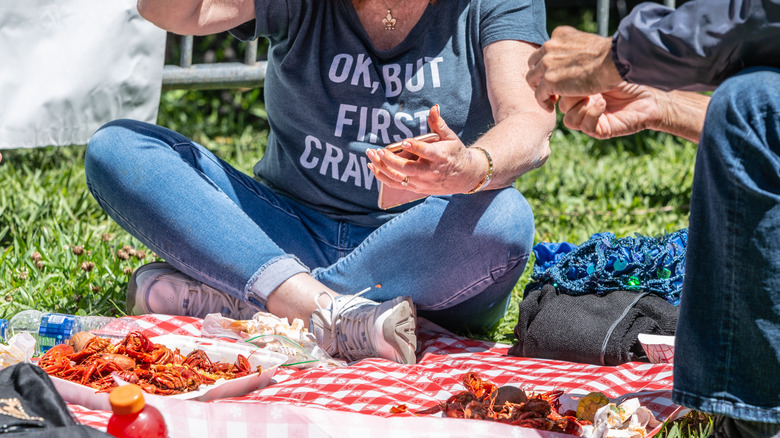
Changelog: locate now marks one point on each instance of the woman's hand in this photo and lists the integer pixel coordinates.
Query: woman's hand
(440, 168)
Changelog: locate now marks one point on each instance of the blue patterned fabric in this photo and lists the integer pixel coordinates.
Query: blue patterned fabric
(605, 263)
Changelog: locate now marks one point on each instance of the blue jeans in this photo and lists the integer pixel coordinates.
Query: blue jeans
(727, 352)
(458, 257)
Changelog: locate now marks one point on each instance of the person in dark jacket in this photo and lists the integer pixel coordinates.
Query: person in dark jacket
(727, 349)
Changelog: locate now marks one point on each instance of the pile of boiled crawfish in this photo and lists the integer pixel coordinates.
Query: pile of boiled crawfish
(485, 401)
(136, 359)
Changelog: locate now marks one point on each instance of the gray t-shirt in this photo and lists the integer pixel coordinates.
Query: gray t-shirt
(330, 94)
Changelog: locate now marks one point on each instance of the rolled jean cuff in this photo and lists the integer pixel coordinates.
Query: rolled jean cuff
(271, 275)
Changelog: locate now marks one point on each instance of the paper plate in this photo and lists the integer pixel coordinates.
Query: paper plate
(217, 351)
(659, 349)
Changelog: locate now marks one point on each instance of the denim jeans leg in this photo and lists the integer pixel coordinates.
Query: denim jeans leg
(202, 216)
(458, 257)
(727, 350)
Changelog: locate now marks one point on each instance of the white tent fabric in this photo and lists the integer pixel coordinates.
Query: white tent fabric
(68, 67)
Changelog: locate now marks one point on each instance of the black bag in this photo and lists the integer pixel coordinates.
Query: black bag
(595, 329)
(30, 406)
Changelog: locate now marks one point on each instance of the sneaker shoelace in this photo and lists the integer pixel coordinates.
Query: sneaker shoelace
(211, 301)
(351, 333)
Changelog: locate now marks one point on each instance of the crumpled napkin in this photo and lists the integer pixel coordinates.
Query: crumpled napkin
(20, 348)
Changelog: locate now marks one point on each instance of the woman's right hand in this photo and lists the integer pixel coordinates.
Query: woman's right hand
(444, 167)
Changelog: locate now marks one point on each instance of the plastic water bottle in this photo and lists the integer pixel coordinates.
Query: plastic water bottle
(132, 417)
(4, 329)
(50, 329)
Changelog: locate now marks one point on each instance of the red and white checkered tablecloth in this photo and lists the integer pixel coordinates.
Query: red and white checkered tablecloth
(355, 400)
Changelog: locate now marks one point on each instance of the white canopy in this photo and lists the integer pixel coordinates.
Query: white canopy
(68, 67)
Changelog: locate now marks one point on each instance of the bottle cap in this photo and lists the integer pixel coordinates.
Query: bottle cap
(126, 399)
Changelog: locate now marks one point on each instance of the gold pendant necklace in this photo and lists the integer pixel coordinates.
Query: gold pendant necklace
(389, 21)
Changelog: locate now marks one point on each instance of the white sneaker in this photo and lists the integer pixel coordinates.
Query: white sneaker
(158, 287)
(354, 328)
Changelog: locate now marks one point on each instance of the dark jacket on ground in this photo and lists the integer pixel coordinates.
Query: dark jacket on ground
(590, 328)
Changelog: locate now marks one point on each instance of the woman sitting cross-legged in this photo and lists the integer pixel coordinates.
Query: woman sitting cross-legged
(304, 238)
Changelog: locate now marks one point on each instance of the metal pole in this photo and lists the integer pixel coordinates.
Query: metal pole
(669, 3)
(185, 59)
(602, 16)
(250, 56)
(223, 75)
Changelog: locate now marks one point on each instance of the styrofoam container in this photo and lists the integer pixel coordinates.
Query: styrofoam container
(659, 349)
(217, 351)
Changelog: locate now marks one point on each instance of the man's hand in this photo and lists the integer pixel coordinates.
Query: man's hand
(626, 109)
(571, 63)
(630, 108)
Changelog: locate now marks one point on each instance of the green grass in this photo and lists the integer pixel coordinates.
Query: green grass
(693, 424)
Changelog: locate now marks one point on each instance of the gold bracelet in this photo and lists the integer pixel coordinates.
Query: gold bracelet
(486, 180)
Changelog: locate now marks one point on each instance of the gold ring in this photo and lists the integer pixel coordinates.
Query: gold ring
(405, 182)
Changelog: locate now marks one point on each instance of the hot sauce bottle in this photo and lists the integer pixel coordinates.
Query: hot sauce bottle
(132, 417)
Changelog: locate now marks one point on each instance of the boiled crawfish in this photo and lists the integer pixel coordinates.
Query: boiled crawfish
(538, 411)
(136, 359)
